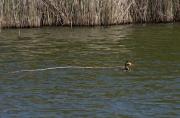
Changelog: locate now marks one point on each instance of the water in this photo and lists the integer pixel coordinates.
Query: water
(149, 90)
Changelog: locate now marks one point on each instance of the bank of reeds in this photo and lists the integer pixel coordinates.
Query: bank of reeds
(36, 13)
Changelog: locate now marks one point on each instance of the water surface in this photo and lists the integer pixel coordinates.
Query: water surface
(149, 90)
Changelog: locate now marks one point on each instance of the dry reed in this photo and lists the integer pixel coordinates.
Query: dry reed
(36, 13)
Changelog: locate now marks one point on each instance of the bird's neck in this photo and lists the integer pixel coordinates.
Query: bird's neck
(126, 67)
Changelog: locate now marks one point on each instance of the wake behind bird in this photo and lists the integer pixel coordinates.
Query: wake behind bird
(126, 67)
(68, 67)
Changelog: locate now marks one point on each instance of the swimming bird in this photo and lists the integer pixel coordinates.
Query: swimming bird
(127, 66)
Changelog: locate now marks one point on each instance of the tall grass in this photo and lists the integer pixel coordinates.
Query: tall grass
(36, 13)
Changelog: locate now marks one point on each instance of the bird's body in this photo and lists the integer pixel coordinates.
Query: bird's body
(127, 65)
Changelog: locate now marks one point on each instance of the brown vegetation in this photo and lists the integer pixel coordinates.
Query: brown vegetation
(36, 13)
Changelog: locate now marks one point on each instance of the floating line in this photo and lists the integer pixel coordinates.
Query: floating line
(66, 67)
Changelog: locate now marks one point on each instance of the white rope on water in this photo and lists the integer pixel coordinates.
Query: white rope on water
(66, 67)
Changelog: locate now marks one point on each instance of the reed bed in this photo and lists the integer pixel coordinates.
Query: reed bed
(36, 13)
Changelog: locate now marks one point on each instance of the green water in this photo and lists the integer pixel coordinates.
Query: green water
(149, 90)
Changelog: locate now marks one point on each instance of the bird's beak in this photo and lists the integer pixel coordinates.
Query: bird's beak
(132, 64)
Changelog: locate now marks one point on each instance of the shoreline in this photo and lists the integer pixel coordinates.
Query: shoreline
(82, 26)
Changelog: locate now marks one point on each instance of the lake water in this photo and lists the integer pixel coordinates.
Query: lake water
(149, 90)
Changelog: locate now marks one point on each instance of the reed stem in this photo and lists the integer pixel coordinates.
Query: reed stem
(36, 13)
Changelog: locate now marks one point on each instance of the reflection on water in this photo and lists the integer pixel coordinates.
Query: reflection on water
(151, 89)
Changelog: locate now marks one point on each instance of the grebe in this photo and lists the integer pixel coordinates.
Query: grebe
(127, 66)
